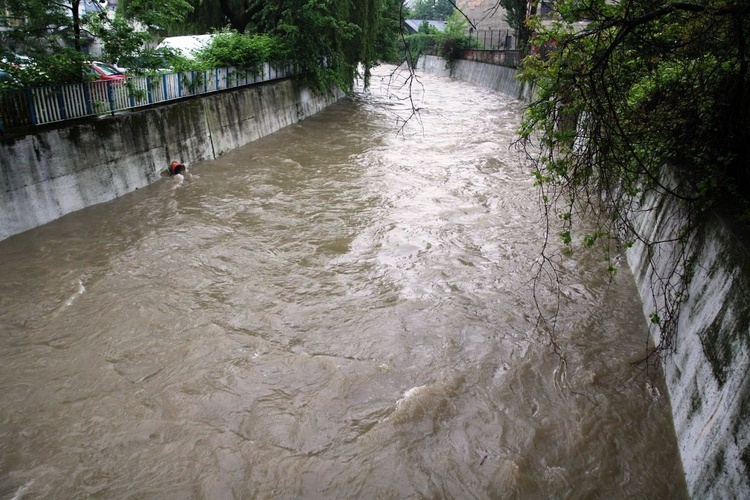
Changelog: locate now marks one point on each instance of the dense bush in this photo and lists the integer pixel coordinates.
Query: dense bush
(242, 51)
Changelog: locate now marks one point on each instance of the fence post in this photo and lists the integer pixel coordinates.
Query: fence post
(87, 98)
(164, 86)
(61, 103)
(111, 98)
(150, 98)
(32, 108)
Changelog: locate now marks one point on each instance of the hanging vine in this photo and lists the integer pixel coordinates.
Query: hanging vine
(639, 102)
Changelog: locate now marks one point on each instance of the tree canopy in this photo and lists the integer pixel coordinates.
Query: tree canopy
(432, 9)
(328, 39)
(515, 16)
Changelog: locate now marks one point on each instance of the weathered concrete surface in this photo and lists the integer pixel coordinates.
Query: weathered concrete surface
(709, 374)
(51, 172)
(499, 78)
(708, 377)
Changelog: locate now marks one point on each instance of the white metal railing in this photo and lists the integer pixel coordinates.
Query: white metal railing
(42, 105)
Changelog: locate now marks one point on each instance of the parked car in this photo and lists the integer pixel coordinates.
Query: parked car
(106, 71)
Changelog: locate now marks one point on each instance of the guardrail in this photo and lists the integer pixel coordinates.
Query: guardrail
(30, 107)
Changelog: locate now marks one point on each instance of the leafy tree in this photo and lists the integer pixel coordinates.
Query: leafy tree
(432, 9)
(454, 40)
(52, 34)
(45, 24)
(646, 98)
(156, 14)
(515, 16)
(389, 31)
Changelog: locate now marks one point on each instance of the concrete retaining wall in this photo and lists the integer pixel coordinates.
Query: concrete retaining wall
(499, 78)
(708, 377)
(51, 172)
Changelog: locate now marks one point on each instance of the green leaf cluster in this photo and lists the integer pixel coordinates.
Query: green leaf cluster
(328, 39)
(432, 9)
(241, 51)
(636, 98)
(639, 86)
(449, 44)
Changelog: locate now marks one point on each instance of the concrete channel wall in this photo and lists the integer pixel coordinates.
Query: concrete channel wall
(499, 78)
(56, 170)
(708, 377)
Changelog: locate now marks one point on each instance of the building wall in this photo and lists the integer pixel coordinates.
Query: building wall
(485, 14)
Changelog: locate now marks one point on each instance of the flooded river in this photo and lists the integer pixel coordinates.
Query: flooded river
(337, 310)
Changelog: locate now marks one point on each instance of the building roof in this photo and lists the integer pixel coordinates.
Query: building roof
(414, 24)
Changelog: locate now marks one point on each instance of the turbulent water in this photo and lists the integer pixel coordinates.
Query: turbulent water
(343, 309)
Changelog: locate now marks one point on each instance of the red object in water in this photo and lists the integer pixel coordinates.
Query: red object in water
(176, 168)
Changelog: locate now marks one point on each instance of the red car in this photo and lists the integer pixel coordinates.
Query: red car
(106, 71)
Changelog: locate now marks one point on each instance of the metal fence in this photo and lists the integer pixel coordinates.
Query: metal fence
(494, 39)
(30, 107)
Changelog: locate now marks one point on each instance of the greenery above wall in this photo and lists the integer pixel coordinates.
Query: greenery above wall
(450, 43)
(328, 39)
(624, 91)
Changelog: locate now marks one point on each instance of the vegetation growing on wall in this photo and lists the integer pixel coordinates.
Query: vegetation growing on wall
(625, 91)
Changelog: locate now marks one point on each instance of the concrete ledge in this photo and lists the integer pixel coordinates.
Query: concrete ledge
(49, 173)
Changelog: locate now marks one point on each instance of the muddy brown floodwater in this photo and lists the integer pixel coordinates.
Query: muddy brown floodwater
(333, 311)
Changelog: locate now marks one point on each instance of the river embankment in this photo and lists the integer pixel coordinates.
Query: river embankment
(708, 376)
(56, 170)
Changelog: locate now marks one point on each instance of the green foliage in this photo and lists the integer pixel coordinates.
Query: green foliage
(626, 89)
(156, 14)
(309, 32)
(322, 40)
(419, 44)
(327, 39)
(148, 60)
(432, 9)
(515, 16)
(387, 36)
(454, 40)
(33, 21)
(242, 51)
(118, 37)
(52, 35)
